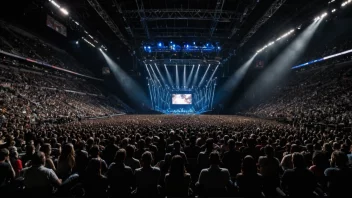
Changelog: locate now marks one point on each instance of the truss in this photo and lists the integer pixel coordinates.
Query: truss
(218, 11)
(249, 9)
(182, 14)
(182, 35)
(126, 24)
(273, 8)
(102, 13)
(141, 13)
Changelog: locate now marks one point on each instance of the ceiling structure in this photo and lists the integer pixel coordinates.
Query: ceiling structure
(228, 26)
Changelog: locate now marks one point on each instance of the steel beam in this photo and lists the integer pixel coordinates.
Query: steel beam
(141, 13)
(270, 12)
(102, 13)
(218, 11)
(127, 25)
(247, 11)
(182, 14)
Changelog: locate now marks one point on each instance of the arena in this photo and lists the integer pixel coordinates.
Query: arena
(181, 98)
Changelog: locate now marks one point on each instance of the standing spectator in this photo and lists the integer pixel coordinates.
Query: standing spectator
(299, 181)
(177, 181)
(120, 176)
(214, 181)
(147, 177)
(95, 184)
(269, 168)
(27, 157)
(203, 157)
(249, 182)
(130, 161)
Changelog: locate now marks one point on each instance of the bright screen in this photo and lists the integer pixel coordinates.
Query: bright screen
(181, 99)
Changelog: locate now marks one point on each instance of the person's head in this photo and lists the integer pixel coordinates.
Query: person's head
(232, 144)
(147, 159)
(38, 159)
(94, 167)
(298, 160)
(177, 146)
(46, 149)
(4, 154)
(214, 158)
(129, 151)
(319, 159)
(67, 151)
(177, 167)
(249, 165)
(120, 156)
(269, 151)
(294, 148)
(209, 144)
(94, 151)
(30, 149)
(339, 159)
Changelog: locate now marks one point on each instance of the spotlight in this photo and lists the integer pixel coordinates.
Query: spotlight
(159, 44)
(187, 46)
(77, 42)
(63, 10)
(100, 49)
(219, 48)
(334, 10)
(194, 43)
(324, 15)
(148, 47)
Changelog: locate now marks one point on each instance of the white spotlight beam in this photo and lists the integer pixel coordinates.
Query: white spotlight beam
(168, 76)
(184, 75)
(195, 79)
(281, 66)
(212, 75)
(177, 78)
(190, 76)
(206, 72)
(161, 76)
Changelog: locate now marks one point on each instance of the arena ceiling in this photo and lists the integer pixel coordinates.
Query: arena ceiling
(228, 24)
(231, 25)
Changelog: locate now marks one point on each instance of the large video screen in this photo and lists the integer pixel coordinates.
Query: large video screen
(55, 25)
(181, 99)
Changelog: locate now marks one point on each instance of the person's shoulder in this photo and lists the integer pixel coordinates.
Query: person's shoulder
(128, 168)
(330, 171)
(138, 170)
(156, 169)
(224, 170)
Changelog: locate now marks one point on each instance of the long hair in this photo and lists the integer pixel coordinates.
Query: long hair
(68, 154)
(177, 167)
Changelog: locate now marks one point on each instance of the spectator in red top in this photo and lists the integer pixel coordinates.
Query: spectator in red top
(16, 162)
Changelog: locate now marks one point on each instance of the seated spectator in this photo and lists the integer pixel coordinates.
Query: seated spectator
(15, 162)
(94, 152)
(110, 150)
(299, 181)
(46, 149)
(232, 159)
(27, 157)
(66, 162)
(38, 180)
(203, 157)
(95, 184)
(147, 177)
(177, 181)
(120, 176)
(287, 162)
(269, 168)
(214, 181)
(6, 171)
(249, 182)
(81, 158)
(339, 175)
(320, 163)
(130, 161)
